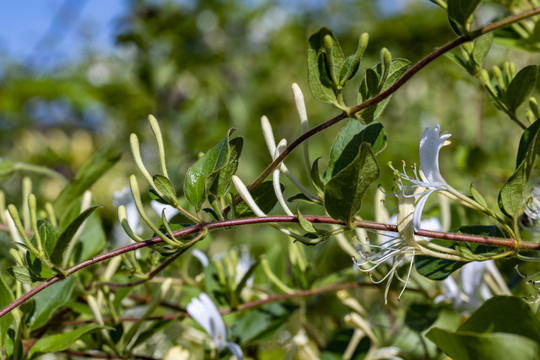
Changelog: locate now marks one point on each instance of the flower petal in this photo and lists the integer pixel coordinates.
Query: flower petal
(204, 311)
(430, 145)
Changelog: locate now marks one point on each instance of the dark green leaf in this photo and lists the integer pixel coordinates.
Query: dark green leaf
(494, 346)
(482, 45)
(346, 66)
(49, 236)
(398, 67)
(315, 176)
(436, 268)
(511, 194)
(263, 195)
(420, 317)
(7, 168)
(344, 191)
(262, 323)
(23, 274)
(166, 187)
(201, 176)
(60, 342)
(462, 10)
(319, 71)
(102, 161)
(504, 314)
(220, 183)
(345, 147)
(50, 299)
(521, 87)
(6, 298)
(67, 235)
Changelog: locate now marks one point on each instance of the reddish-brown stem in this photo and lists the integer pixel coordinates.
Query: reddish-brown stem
(249, 305)
(507, 243)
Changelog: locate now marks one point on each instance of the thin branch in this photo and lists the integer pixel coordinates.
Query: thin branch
(501, 242)
(399, 83)
(104, 356)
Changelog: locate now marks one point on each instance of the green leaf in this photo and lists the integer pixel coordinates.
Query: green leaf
(24, 274)
(315, 176)
(504, 314)
(49, 300)
(398, 67)
(511, 194)
(7, 168)
(304, 224)
(420, 317)
(57, 255)
(472, 346)
(201, 176)
(481, 48)
(462, 10)
(263, 195)
(346, 66)
(478, 197)
(101, 162)
(60, 342)
(49, 236)
(521, 87)
(219, 181)
(344, 191)
(436, 268)
(262, 323)
(320, 75)
(494, 331)
(6, 298)
(166, 187)
(345, 147)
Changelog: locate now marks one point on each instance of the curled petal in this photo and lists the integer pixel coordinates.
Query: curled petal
(430, 145)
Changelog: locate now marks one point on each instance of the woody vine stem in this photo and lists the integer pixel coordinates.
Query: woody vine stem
(510, 244)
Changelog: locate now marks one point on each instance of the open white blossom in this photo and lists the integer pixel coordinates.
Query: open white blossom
(429, 179)
(478, 279)
(204, 311)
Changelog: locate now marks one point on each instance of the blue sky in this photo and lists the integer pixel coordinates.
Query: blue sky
(28, 26)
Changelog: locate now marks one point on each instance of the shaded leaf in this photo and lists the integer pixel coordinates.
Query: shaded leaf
(462, 10)
(345, 147)
(60, 342)
(420, 317)
(262, 323)
(482, 45)
(398, 67)
(23, 274)
(67, 235)
(49, 300)
(102, 161)
(472, 346)
(6, 298)
(164, 185)
(344, 191)
(263, 195)
(521, 87)
(220, 183)
(319, 71)
(511, 194)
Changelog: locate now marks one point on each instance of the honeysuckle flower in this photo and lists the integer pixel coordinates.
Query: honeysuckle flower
(478, 279)
(429, 179)
(204, 311)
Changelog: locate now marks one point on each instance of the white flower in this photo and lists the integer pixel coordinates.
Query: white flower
(531, 222)
(204, 311)
(429, 179)
(474, 290)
